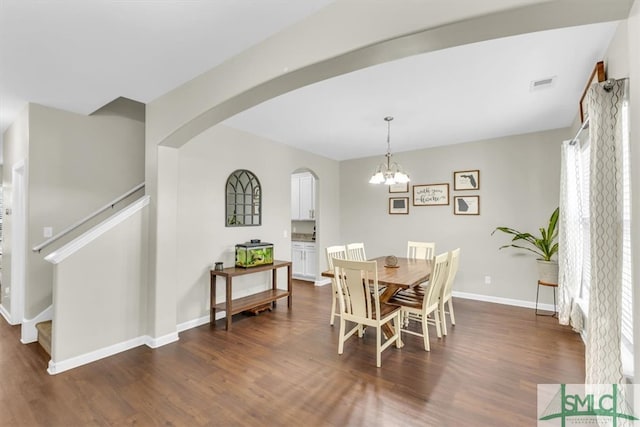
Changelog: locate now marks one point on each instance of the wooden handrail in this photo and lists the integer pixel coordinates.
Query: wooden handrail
(72, 227)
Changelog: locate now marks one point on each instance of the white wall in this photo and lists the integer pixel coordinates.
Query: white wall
(205, 164)
(519, 188)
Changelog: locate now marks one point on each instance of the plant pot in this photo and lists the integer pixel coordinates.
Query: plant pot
(548, 271)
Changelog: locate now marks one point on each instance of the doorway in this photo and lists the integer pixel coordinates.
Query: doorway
(18, 243)
(304, 225)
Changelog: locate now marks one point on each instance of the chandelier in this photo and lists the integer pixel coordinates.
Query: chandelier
(389, 172)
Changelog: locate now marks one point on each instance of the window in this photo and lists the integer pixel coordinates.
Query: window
(627, 291)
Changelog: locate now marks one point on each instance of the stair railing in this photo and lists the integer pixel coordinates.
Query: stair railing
(89, 217)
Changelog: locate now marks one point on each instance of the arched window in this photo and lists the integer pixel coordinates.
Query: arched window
(243, 199)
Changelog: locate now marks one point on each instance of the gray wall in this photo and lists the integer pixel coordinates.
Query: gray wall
(75, 164)
(204, 166)
(15, 148)
(519, 188)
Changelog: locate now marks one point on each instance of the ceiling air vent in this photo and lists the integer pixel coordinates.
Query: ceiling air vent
(547, 82)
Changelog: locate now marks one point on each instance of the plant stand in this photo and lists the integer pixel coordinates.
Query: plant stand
(554, 286)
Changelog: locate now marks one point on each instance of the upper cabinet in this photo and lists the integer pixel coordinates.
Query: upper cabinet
(303, 196)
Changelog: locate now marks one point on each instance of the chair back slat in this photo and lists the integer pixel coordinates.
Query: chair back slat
(420, 250)
(337, 251)
(438, 278)
(452, 270)
(354, 278)
(355, 252)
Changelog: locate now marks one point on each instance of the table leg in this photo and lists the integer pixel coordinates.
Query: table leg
(228, 304)
(289, 287)
(274, 283)
(212, 304)
(385, 296)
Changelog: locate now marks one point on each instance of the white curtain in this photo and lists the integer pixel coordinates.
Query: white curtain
(603, 360)
(569, 238)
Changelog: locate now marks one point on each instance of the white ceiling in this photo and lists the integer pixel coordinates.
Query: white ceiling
(466, 93)
(78, 55)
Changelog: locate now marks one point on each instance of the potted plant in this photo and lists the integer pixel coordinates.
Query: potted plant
(545, 246)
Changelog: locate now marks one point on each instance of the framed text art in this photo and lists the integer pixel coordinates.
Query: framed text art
(466, 205)
(431, 195)
(466, 180)
(399, 188)
(398, 205)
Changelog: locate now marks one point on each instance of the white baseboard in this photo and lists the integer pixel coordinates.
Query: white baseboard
(92, 356)
(500, 300)
(29, 333)
(199, 321)
(6, 314)
(160, 341)
(323, 282)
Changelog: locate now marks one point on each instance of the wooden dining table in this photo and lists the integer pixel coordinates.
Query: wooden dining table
(408, 273)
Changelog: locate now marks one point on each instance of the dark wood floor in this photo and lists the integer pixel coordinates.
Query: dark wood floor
(282, 369)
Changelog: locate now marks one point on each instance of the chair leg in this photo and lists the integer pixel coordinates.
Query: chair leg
(333, 309)
(436, 318)
(396, 327)
(425, 333)
(451, 314)
(378, 345)
(444, 319)
(341, 341)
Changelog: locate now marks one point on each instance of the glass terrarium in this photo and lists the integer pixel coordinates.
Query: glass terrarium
(254, 254)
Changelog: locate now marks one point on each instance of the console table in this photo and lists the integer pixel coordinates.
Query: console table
(233, 306)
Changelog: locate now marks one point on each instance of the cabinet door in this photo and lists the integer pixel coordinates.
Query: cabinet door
(295, 197)
(307, 197)
(297, 258)
(310, 264)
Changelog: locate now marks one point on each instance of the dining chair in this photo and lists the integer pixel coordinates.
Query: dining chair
(445, 293)
(360, 306)
(420, 250)
(420, 308)
(340, 252)
(355, 252)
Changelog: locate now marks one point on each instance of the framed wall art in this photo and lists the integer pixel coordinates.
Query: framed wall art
(399, 188)
(466, 205)
(431, 195)
(466, 180)
(398, 205)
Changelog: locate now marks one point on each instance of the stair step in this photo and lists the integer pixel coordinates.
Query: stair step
(44, 335)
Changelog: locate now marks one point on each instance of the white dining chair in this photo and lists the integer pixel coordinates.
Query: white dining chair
(422, 308)
(360, 306)
(355, 252)
(445, 293)
(340, 252)
(420, 250)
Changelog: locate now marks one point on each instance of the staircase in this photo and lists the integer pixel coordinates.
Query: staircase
(44, 335)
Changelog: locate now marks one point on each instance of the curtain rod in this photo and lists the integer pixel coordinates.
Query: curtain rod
(584, 126)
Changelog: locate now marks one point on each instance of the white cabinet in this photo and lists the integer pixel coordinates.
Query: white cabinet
(304, 258)
(303, 196)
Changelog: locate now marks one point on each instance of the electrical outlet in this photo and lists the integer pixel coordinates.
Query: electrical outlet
(285, 234)
(7, 291)
(487, 280)
(47, 232)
